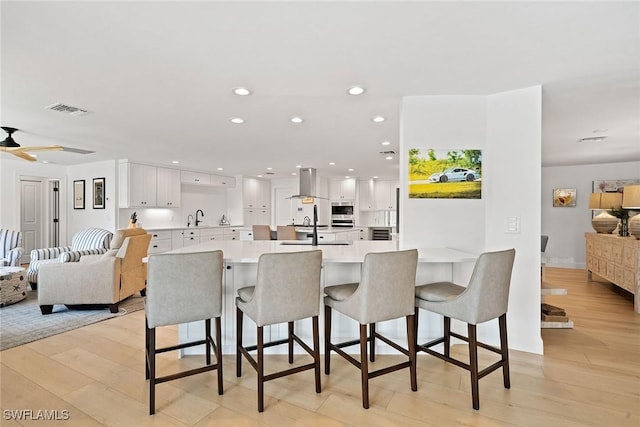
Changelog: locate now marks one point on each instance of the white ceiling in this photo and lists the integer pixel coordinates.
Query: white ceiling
(156, 77)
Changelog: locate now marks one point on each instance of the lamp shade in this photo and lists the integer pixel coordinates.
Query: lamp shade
(606, 201)
(631, 200)
(631, 197)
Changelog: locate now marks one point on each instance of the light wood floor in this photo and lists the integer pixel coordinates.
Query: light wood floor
(588, 376)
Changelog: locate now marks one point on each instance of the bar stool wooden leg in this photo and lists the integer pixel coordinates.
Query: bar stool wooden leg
(260, 369)
(152, 370)
(239, 315)
(219, 354)
(207, 340)
(316, 351)
(372, 342)
(473, 365)
(364, 366)
(327, 339)
(411, 340)
(146, 346)
(290, 337)
(447, 336)
(504, 349)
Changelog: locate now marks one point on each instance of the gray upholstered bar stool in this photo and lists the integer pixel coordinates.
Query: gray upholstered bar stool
(261, 232)
(485, 298)
(183, 288)
(385, 292)
(287, 289)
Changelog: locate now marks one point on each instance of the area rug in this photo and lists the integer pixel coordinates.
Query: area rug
(22, 322)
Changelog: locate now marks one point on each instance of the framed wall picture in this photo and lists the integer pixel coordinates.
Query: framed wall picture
(98, 193)
(564, 197)
(78, 194)
(445, 174)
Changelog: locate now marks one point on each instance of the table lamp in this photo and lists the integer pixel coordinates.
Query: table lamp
(604, 222)
(631, 200)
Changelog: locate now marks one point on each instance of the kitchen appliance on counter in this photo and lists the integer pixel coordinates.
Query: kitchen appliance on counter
(342, 214)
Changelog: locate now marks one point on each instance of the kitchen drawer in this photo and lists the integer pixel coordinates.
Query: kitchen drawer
(190, 241)
(211, 233)
(190, 232)
(159, 235)
(232, 236)
(159, 245)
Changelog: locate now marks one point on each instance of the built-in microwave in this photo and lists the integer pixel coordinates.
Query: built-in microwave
(342, 208)
(342, 214)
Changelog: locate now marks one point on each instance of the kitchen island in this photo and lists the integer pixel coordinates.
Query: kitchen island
(341, 264)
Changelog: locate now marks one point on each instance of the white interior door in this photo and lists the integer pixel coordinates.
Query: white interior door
(283, 205)
(30, 217)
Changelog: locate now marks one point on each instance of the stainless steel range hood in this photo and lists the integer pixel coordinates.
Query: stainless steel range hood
(307, 186)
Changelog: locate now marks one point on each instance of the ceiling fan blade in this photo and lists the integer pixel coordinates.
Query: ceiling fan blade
(23, 155)
(42, 148)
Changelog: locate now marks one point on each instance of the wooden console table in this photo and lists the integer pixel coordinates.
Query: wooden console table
(615, 259)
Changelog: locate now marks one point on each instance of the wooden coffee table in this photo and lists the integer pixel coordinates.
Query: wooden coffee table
(13, 285)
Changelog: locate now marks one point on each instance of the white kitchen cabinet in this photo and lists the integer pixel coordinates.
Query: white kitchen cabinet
(160, 242)
(256, 216)
(223, 181)
(138, 185)
(256, 194)
(231, 233)
(385, 195)
(198, 178)
(367, 195)
(344, 189)
(168, 188)
(362, 233)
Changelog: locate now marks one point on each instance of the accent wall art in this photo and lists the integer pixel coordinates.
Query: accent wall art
(445, 174)
(564, 197)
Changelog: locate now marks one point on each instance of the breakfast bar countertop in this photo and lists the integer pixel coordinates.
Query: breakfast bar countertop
(354, 252)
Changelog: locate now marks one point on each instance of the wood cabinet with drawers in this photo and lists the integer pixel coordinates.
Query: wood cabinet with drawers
(616, 259)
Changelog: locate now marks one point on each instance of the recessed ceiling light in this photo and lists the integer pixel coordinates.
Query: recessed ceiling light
(389, 157)
(293, 173)
(298, 166)
(378, 119)
(220, 169)
(297, 119)
(332, 164)
(269, 169)
(241, 91)
(600, 130)
(45, 161)
(386, 143)
(350, 169)
(375, 177)
(347, 177)
(33, 155)
(175, 162)
(237, 120)
(259, 176)
(356, 90)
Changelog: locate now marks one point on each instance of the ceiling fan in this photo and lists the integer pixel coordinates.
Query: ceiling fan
(12, 147)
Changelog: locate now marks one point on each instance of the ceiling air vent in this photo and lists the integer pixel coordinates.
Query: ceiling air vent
(72, 111)
(592, 139)
(388, 152)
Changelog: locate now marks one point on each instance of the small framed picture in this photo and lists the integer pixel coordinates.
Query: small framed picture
(98, 193)
(564, 197)
(78, 194)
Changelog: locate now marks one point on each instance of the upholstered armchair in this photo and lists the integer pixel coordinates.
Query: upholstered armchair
(92, 241)
(10, 249)
(98, 279)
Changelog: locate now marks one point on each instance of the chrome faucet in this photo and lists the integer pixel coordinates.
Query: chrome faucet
(188, 221)
(198, 221)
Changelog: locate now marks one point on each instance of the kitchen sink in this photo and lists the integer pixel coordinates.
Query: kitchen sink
(308, 243)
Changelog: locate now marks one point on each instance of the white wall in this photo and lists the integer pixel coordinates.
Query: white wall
(10, 172)
(566, 226)
(507, 127)
(80, 219)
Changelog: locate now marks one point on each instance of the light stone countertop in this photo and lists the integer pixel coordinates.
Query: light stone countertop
(235, 251)
(193, 228)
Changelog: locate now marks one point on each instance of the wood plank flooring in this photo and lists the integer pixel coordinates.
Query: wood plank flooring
(589, 376)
